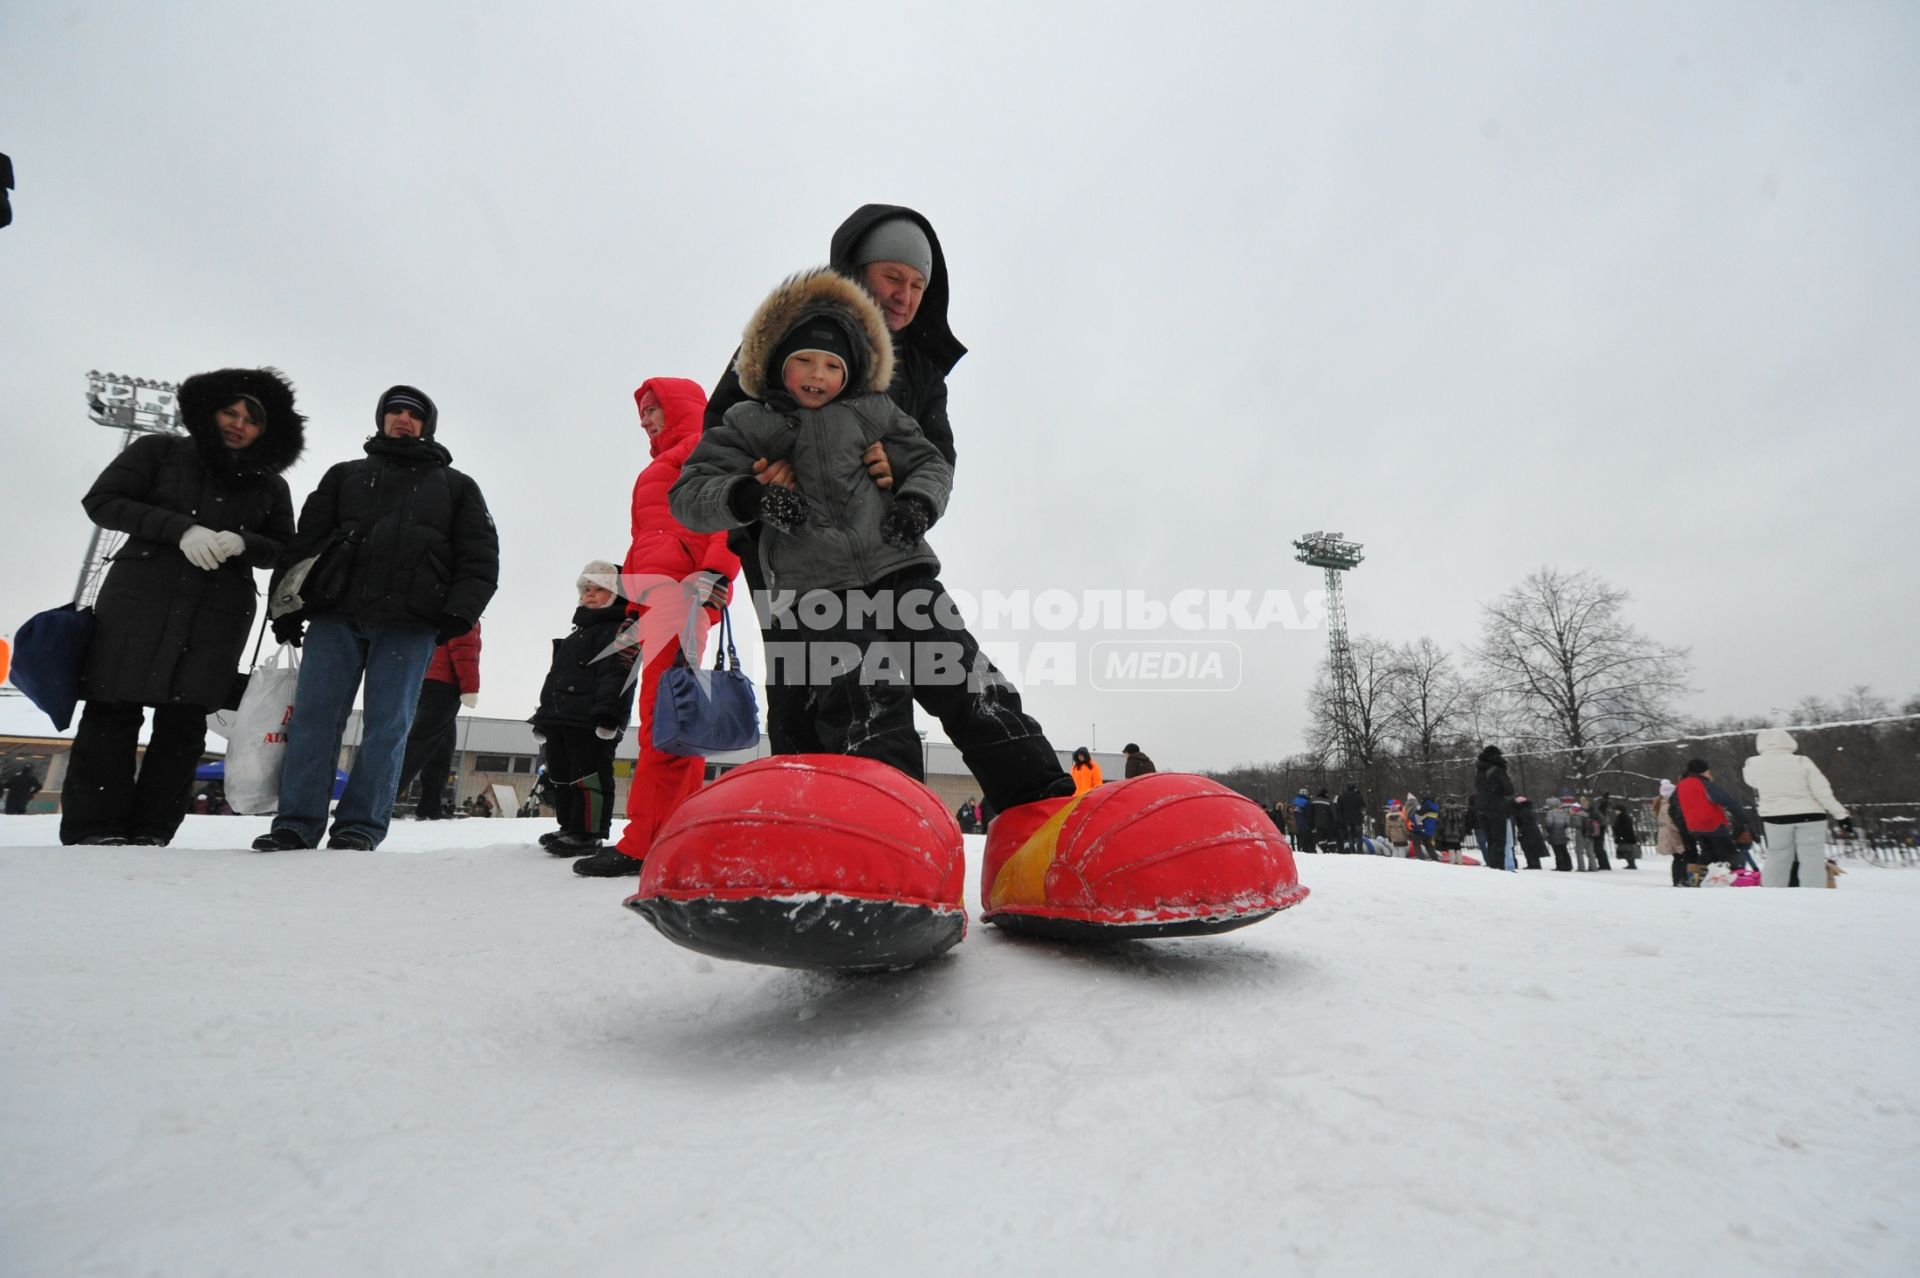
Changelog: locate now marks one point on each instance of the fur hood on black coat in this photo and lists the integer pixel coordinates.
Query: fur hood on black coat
(284, 438)
(821, 293)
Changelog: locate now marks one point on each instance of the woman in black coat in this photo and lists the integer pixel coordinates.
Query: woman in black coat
(1526, 826)
(201, 511)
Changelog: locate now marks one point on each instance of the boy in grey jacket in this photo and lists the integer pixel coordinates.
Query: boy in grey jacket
(849, 572)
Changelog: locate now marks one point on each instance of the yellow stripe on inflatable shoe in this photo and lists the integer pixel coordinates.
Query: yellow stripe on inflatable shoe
(1023, 879)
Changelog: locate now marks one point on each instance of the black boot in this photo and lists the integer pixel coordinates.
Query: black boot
(574, 845)
(607, 863)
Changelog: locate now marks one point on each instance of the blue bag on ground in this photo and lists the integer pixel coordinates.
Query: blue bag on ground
(49, 657)
(701, 712)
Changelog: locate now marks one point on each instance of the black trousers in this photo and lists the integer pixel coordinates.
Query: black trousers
(430, 745)
(580, 765)
(853, 663)
(1493, 844)
(111, 789)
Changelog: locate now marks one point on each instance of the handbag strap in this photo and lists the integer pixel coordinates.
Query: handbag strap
(724, 656)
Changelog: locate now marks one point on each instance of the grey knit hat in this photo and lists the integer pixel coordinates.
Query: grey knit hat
(898, 239)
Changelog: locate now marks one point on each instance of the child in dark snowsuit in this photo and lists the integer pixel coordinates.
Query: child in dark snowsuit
(584, 707)
(1626, 840)
(1527, 827)
(855, 610)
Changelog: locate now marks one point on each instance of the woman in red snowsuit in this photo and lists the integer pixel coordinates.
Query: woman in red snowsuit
(662, 574)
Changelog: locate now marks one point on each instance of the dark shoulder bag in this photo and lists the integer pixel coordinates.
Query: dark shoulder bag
(702, 712)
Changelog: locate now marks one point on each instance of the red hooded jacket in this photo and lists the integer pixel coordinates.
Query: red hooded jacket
(662, 545)
(457, 661)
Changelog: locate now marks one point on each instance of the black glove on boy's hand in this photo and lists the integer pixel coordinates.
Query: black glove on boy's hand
(906, 521)
(290, 630)
(782, 508)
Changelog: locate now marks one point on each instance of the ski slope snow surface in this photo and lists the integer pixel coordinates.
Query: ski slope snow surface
(453, 1056)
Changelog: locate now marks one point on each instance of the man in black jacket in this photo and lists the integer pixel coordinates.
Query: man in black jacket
(893, 253)
(425, 561)
(925, 351)
(1493, 803)
(1321, 822)
(21, 783)
(1350, 814)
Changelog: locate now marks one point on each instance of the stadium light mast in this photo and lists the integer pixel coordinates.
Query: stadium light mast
(137, 406)
(1332, 552)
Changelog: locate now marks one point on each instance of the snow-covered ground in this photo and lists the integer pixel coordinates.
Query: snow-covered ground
(454, 1056)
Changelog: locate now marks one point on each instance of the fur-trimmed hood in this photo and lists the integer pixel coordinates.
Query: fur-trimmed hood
(202, 396)
(820, 293)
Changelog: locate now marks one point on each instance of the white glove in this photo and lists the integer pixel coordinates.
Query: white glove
(606, 734)
(469, 699)
(229, 544)
(201, 546)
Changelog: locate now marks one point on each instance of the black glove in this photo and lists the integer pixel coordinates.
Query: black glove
(782, 508)
(906, 521)
(450, 627)
(289, 630)
(1846, 825)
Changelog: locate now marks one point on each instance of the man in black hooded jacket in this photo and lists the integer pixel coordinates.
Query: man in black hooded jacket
(893, 252)
(425, 561)
(1493, 804)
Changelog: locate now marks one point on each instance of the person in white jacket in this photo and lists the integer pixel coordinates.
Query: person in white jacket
(1794, 802)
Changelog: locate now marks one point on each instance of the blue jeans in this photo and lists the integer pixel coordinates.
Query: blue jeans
(337, 653)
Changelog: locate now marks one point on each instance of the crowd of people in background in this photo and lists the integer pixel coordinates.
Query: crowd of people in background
(1694, 821)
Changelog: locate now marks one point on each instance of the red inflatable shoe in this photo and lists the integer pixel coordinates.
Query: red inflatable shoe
(1166, 854)
(809, 861)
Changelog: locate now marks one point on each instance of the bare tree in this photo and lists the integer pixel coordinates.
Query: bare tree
(1858, 702)
(1428, 701)
(1368, 723)
(1579, 676)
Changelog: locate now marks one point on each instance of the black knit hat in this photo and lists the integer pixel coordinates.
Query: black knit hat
(407, 397)
(818, 333)
(1696, 766)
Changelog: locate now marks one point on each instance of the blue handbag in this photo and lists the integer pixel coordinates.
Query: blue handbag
(49, 657)
(701, 712)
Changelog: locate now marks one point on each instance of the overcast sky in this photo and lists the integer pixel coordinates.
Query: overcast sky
(1626, 287)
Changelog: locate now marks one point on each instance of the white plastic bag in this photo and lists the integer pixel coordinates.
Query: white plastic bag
(257, 739)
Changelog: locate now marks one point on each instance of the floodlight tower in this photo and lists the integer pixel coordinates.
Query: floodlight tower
(1336, 555)
(137, 406)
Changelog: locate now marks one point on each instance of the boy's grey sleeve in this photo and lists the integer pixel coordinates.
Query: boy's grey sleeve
(721, 462)
(919, 468)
